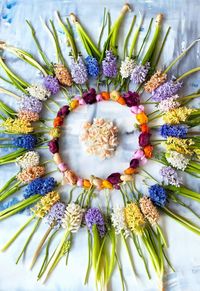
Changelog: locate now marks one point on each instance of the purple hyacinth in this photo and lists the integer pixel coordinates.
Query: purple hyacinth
(158, 195)
(139, 73)
(90, 96)
(131, 98)
(114, 178)
(40, 186)
(166, 90)
(109, 65)
(78, 71)
(170, 176)
(28, 103)
(93, 216)
(26, 141)
(56, 214)
(179, 131)
(92, 66)
(51, 84)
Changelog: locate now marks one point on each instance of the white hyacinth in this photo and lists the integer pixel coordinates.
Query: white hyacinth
(119, 221)
(28, 160)
(127, 67)
(169, 104)
(177, 160)
(38, 91)
(73, 217)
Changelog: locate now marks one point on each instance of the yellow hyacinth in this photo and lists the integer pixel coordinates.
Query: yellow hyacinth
(17, 125)
(134, 218)
(45, 204)
(178, 115)
(179, 145)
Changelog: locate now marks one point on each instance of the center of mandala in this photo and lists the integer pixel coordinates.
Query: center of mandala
(100, 138)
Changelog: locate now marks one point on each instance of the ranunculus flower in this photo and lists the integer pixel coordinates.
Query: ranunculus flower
(90, 96)
(63, 111)
(139, 154)
(137, 109)
(132, 98)
(134, 163)
(114, 178)
(144, 139)
(53, 146)
(58, 121)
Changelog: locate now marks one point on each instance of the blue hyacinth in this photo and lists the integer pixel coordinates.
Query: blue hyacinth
(92, 66)
(179, 131)
(40, 186)
(158, 195)
(26, 141)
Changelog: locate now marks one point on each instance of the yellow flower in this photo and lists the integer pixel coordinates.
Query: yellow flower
(17, 125)
(134, 217)
(45, 204)
(178, 115)
(182, 146)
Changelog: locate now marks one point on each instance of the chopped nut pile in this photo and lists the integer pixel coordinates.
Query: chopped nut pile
(100, 137)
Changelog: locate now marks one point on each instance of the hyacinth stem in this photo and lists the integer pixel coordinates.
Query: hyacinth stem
(183, 191)
(159, 230)
(154, 41)
(25, 56)
(129, 254)
(135, 38)
(180, 56)
(193, 96)
(45, 261)
(43, 55)
(183, 221)
(12, 75)
(19, 206)
(36, 225)
(8, 183)
(128, 37)
(39, 248)
(89, 259)
(4, 91)
(12, 156)
(11, 191)
(120, 272)
(186, 74)
(102, 28)
(6, 246)
(56, 257)
(7, 109)
(161, 48)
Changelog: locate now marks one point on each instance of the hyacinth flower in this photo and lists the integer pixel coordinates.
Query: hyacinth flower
(39, 211)
(184, 115)
(100, 257)
(141, 218)
(32, 193)
(159, 77)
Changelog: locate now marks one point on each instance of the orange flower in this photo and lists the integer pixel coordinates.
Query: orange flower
(121, 100)
(130, 171)
(58, 121)
(105, 95)
(144, 128)
(86, 183)
(142, 118)
(148, 151)
(107, 184)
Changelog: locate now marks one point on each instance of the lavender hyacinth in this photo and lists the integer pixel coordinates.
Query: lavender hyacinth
(165, 91)
(94, 216)
(51, 84)
(139, 73)
(78, 71)
(109, 65)
(30, 104)
(56, 214)
(170, 176)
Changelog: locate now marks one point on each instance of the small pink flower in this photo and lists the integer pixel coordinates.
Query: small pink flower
(139, 154)
(137, 109)
(99, 98)
(143, 161)
(81, 101)
(79, 182)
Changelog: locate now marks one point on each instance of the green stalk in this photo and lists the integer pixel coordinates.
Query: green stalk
(43, 55)
(36, 225)
(14, 76)
(128, 36)
(129, 254)
(154, 41)
(135, 38)
(7, 184)
(6, 246)
(145, 38)
(186, 223)
(161, 48)
(89, 259)
(5, 108)
(96, 246)
(102, 28)
(25, 56)
(186, 74)
(11, 191)
(39, 248)
(69, 36)
(181, 55)
(4, 91)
